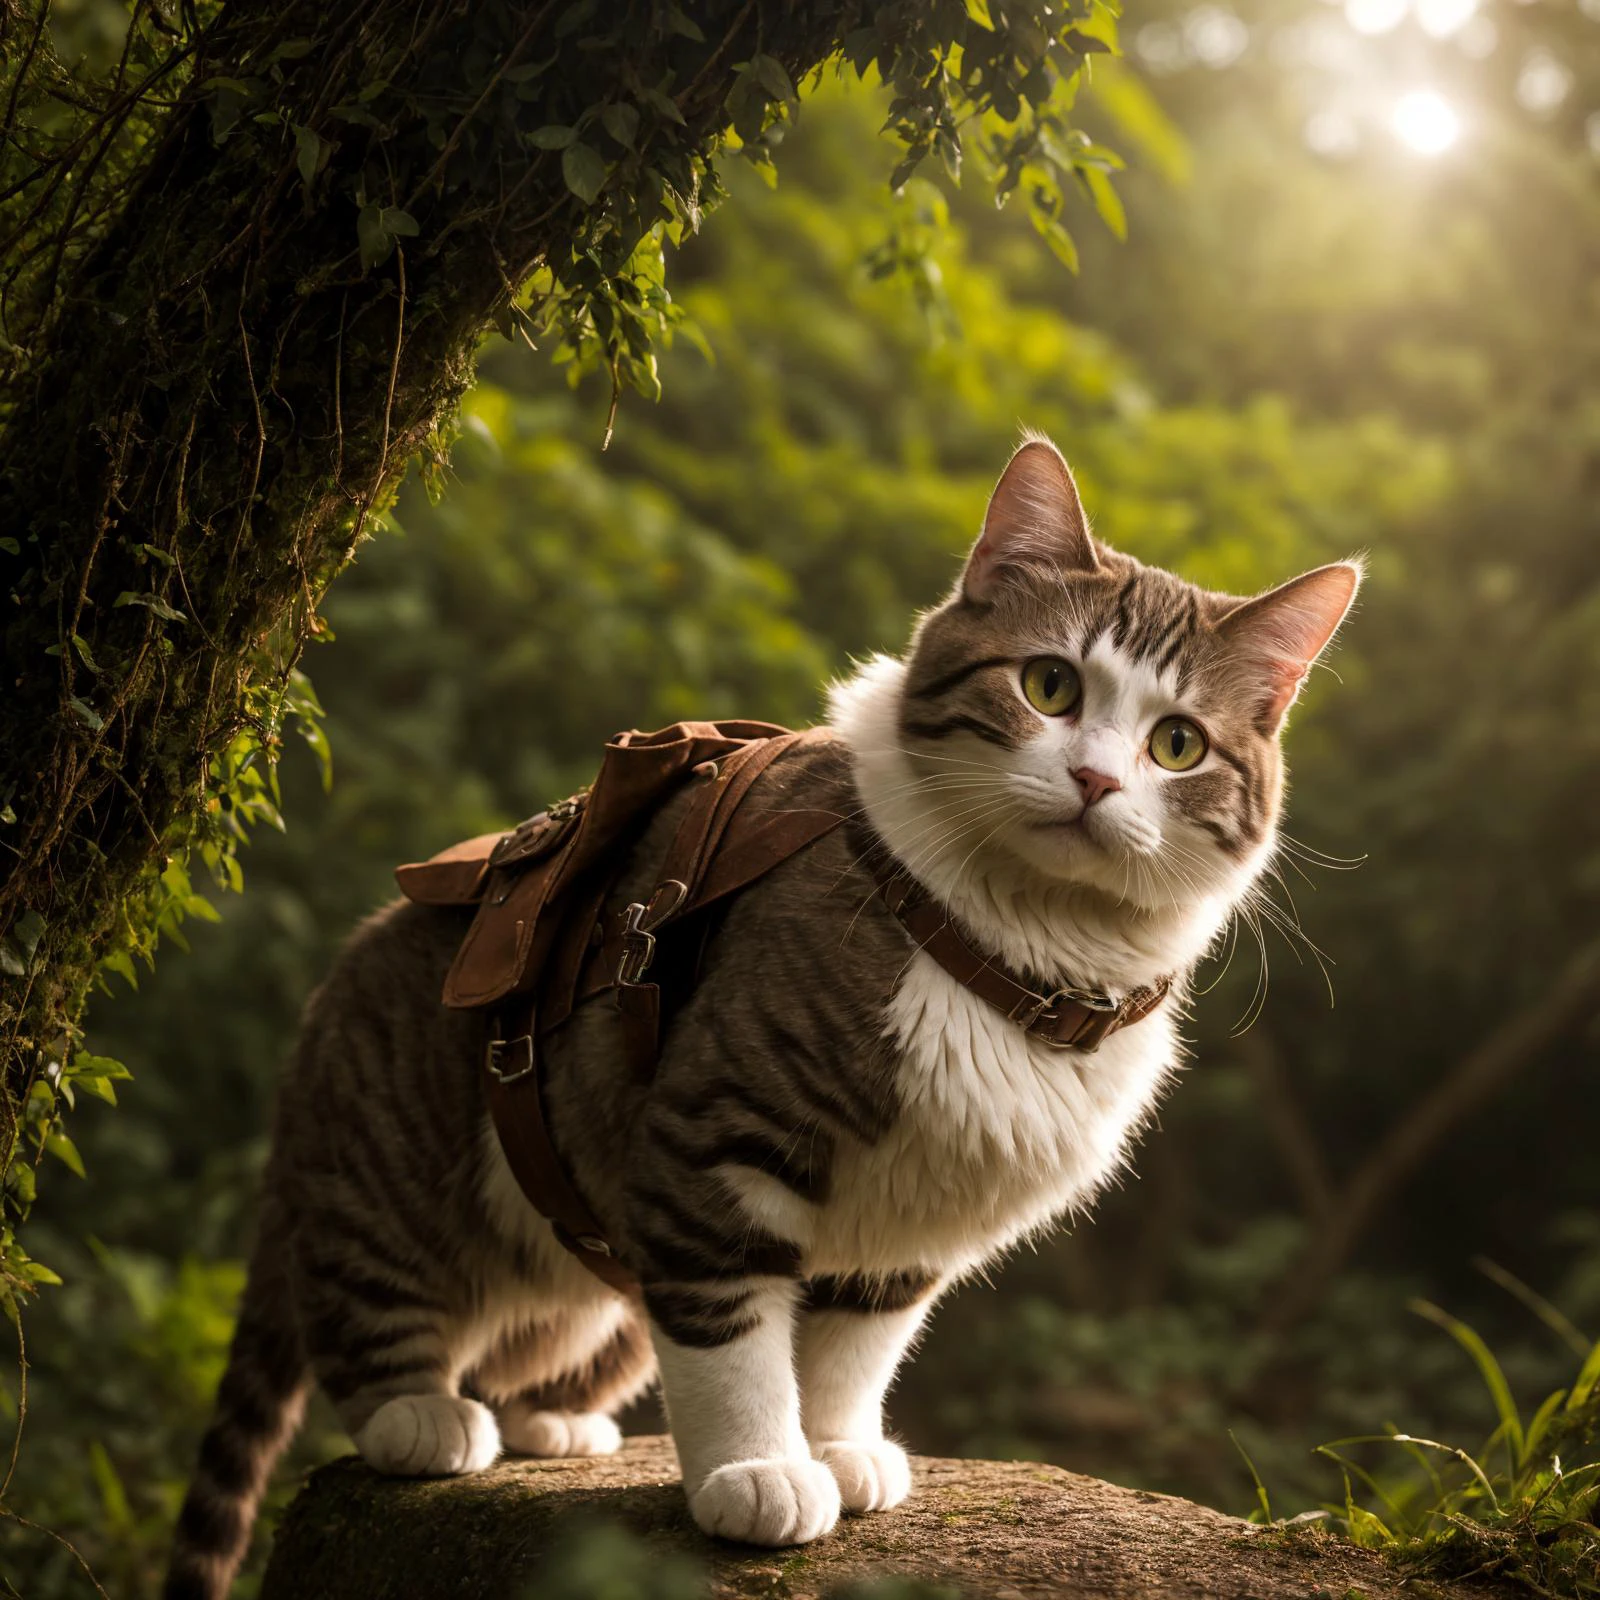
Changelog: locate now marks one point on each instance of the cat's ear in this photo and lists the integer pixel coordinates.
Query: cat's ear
(1278, 635)
(1035, 521)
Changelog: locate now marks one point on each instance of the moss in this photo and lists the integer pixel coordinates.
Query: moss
(976, 1527)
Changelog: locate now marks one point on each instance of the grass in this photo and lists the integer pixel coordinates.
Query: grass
(1524, 1508)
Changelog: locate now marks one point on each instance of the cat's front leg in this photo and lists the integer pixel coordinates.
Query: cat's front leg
(853, 1332)
(725, 1347)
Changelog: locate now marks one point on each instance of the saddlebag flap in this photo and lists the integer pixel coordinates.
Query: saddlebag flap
(522, 881)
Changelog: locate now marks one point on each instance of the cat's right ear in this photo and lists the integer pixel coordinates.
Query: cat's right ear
(1035, 522)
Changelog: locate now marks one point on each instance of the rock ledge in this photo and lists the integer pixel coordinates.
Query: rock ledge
(999, 1530)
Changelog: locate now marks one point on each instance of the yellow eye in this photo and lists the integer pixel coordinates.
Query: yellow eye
(1177, 744)
(1052, 686)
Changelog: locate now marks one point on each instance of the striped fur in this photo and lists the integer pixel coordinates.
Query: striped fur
(836, 1131)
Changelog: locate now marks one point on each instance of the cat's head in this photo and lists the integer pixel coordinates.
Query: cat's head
(1104, 722)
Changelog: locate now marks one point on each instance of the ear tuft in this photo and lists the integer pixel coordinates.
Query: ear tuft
(1035, 521)
(1279, 634)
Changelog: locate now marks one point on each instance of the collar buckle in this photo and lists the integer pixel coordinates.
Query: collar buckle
(1035, 1007)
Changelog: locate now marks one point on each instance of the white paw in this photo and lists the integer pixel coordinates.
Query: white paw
(558, 1433)
(768, 1502)
(871, 1477)
(429, 1436)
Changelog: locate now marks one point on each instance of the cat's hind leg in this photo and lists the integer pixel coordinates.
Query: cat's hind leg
(569, 1414)
(852, 1334)
(381, 1344)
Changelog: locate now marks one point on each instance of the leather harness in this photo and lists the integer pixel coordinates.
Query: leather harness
(543, 941)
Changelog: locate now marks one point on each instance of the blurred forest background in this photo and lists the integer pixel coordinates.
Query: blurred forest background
(1358, 307)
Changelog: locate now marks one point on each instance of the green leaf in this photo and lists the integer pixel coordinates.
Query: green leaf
(86, 714)
(113, 1497)
(377, 228)
(1060, 241)
(358, 115)
(311, 154)
(10, 546)
(584, 168)
(553, 136)
(92, 1066)
(1106, 201)
(64, 1150)
(529, 70)
(151, 602)
(27, 931)
(621, 122)
(1494, 1380)
(121, 963)
(1588, 1380)
(664, 104)
(770, 74)
(677, 22)
(978, 11)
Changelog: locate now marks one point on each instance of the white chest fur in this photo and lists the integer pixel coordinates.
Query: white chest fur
(997, 1136)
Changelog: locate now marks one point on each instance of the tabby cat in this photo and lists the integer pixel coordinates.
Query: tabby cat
(1079, 758)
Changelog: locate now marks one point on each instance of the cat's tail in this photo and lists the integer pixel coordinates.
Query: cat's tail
(259, 1404)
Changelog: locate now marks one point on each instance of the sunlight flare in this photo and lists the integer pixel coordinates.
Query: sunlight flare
(1425, 122)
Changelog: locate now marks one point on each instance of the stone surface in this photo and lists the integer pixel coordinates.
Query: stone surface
(997, 1530)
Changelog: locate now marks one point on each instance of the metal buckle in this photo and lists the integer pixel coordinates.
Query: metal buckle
(505, 1066)
(638, 947)
(593, 1243)
(1094, 999)
(1028, 1011)
(638, 937)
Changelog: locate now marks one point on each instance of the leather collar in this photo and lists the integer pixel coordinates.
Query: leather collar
(1071, 1017)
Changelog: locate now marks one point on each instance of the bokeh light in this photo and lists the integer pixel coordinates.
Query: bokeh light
(1444, 18)
(1425, 122)
(1215, 37)
(1543, 83)
(1375, 16)
(1332, 134)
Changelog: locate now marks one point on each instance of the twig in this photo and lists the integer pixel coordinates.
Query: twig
(1516, 1043)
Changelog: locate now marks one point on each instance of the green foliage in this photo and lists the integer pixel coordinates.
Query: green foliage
(1522, 1509)
(250, 190)
(1293, 359)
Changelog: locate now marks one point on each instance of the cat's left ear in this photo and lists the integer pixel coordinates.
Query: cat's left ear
(1035, 520)
(1278, 635)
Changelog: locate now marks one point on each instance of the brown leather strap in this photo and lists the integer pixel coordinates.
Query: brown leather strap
(517, 1106)
(1072, 1017)
(582, 966)
(712, 859)
(724, 784)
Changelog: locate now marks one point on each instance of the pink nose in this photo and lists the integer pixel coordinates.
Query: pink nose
(1096, 785)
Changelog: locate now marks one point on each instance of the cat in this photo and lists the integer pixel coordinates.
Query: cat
(1078, 758)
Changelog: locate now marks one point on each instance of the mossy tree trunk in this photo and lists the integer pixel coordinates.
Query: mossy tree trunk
(242, 278)
(280, 311)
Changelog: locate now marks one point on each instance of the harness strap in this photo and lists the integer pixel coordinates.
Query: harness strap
(517, 1107)
(594, 954)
